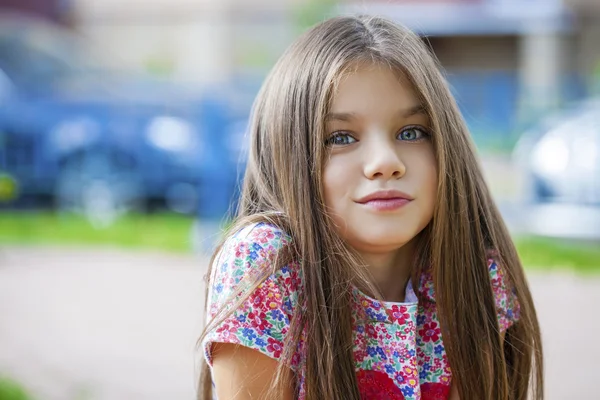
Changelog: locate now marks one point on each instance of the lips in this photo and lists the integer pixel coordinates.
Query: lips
(382, 195)
(385, 200)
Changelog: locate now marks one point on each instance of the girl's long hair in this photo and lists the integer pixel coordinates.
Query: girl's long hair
(283, 186)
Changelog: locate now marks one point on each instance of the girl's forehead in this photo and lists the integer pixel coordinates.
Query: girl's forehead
(373, 85)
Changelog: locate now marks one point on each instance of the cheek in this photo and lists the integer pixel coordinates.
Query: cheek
(332, 196)
(424, 166)
(333, 184)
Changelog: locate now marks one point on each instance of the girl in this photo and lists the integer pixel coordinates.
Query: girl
(367, 260)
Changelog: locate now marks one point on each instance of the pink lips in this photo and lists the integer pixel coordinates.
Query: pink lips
(385, 200)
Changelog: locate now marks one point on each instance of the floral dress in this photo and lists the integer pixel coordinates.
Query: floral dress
(398, 347)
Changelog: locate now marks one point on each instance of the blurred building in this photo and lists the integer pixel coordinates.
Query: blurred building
(508, 60)
(54, 10)
(587, 38)
(196, 41)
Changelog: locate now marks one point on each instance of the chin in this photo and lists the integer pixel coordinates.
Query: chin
(381, 234)
(383, 239)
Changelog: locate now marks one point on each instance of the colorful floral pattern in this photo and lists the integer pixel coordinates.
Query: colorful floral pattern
(398, 347)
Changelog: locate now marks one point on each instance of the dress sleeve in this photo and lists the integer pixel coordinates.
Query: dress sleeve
(505, 297)
(262, 319)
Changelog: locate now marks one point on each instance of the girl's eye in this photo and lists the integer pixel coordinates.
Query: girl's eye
(412, 134)
(340, 139)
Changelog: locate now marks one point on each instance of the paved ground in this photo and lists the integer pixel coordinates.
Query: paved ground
(93, 325)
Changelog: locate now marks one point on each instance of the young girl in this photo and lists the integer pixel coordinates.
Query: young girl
(367, 260)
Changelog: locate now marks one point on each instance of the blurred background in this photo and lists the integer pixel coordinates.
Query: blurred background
(122, 142)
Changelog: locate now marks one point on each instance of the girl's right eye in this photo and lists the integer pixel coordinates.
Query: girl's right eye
(340, 139)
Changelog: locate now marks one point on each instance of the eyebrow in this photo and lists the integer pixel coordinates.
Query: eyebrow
(405, 113)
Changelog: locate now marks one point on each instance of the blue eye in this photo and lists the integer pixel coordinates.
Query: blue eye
(412, 134)
(340, 139)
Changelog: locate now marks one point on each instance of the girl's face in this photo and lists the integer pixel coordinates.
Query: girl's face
(380, 179)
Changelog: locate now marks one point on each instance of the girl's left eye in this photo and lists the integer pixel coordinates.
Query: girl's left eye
(412, 134)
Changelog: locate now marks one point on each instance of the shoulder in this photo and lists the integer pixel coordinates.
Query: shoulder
(250, 252)
(505, 297)
(252, 295)
(255, 241)
(248, 256)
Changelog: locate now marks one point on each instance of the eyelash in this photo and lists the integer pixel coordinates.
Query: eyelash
(424, 135)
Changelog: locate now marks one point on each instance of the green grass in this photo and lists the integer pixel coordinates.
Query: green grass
(170, 232)
(12, 390)
(545, 253)
(163, 232)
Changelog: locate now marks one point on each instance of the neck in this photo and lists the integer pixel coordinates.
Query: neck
(391, 271)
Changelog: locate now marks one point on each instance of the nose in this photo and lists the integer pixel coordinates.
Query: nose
(383, 161)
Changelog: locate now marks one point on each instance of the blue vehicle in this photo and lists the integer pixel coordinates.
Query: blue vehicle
(103, 142)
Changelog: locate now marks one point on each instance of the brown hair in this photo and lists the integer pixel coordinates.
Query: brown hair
(283, 185)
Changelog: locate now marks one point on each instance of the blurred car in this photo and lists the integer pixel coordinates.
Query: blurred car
(561, 161)
(101, 141)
